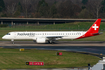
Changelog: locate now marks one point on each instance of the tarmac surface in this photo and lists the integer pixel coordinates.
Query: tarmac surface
(59, 43)
(97, 47)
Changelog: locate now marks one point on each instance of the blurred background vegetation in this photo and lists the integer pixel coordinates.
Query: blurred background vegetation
(52, 8)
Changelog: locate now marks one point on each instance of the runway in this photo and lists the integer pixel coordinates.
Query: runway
(58, 43)
(97, 47)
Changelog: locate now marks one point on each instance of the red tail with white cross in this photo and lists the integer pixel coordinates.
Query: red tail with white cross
(93, 30)
(95, 27)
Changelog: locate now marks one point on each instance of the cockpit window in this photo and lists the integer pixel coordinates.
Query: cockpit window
(8, 34)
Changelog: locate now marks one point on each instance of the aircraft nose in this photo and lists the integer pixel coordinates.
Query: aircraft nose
(3, 37)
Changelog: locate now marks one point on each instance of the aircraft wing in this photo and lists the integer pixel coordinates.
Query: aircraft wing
(54, 36)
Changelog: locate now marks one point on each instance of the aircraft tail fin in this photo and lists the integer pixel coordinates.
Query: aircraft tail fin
(95, 27)
(93, 30)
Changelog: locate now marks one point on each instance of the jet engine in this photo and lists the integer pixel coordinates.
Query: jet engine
(41, 40)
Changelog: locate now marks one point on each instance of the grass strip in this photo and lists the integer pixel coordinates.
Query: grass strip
(14, 59)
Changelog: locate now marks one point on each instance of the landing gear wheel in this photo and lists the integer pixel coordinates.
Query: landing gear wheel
(12, 41)
(51, 42)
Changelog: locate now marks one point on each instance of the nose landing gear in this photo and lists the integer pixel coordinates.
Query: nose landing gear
(12, 41)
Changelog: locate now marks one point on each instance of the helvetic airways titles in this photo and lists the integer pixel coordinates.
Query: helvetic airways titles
(28, 34)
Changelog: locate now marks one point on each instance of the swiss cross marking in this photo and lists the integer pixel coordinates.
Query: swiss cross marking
(95, 27)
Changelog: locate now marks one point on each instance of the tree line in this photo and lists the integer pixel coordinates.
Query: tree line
(52, 8)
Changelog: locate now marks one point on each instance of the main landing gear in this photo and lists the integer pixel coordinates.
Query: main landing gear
(12, 41)
(51, 42)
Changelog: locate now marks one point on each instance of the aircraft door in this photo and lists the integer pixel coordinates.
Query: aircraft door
(14, 34)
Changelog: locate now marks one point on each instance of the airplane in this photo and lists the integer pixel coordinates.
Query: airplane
(52, 36)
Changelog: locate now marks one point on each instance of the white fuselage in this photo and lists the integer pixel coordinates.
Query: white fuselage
(44, 34)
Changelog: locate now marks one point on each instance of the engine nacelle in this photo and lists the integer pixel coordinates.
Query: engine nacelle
(41, 40)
